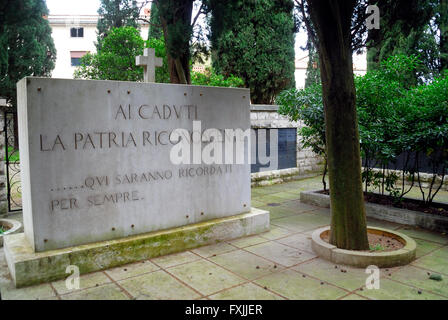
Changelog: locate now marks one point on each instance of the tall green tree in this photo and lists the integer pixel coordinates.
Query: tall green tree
(254, 40)
(116, 14)
(312, 70)
(332, 22)
(155, 27)
(27, 48)
(175, 18)
(405, 28)
(441, 21)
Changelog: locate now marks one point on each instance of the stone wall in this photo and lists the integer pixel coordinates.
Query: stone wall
(308, 163)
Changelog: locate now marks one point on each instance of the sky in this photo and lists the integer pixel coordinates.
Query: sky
(80, 7)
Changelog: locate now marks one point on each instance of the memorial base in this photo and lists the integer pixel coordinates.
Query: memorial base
(28, 267)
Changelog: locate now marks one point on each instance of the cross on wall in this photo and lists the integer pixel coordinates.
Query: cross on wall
(149, 61)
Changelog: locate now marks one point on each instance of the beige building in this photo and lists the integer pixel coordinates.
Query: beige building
(74, 36)
(301, 62)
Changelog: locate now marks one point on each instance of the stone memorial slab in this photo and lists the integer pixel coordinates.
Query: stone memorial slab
(96, 166)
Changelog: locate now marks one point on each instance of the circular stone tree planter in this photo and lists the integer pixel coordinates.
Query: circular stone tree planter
(362, 259)
(11, 226)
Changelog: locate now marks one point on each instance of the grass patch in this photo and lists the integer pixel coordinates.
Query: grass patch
(377, 247)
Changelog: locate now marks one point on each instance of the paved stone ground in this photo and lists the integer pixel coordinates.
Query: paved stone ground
(279, 264)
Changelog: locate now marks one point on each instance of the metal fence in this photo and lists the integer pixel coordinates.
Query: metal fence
(12, 162)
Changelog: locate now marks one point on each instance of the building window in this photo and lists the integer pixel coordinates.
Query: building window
(75, 57)
(76, 32)
(76, 62)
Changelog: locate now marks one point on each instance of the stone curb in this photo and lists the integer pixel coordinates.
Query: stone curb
(363, 259)
(14, 226)
(267, 178)
(381, 212)
(27, 267)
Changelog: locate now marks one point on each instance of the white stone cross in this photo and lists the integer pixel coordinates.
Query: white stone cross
(149, 61)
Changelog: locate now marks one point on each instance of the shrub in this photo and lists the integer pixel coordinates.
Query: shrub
(116, 59)
(211, 78)
(396, 117)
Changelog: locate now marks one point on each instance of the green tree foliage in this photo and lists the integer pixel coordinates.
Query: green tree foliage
(175, 17)
(27, 48)
(307, 105)
(312, 70)
(254, 40)
(116, 14)
(162, 74)
(408, 27)
(395, 117)
(155, 27)
(116, 58)
(211, 78)
(441, 22)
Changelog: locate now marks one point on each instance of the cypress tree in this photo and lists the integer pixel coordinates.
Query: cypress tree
(175, 17)
(27, 48)
(312, 70)
(404, 29)
(155, 28)
(254, 40)
(115, 14)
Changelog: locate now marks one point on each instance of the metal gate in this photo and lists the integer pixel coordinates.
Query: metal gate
(12, 162)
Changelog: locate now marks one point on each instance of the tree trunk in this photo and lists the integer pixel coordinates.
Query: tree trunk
(332, 20)
(443, 34)
(175, 18)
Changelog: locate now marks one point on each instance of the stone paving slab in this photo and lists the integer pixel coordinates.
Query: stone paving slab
(106, 292)
(205, 276)
(436, 261)
(344, 277)
(302, 222)
(90, 280)
(158, 285)
(287, 266)
(280, 253)
(391, 290)
(353, 297)
(278, 211)
(246, 264)
(276, 233)
(175, 259)
(293, 285)
(38, 292)
(298, 241)
(247, 291)
(131, 270)
(419, 278)
(424, 247)
(417, 233)
(247, 241)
